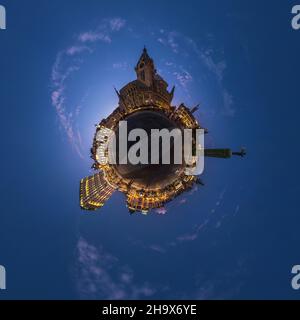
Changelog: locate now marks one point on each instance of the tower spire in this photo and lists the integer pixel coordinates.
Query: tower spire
(145, 69)
(194, 109)
(117, 92)
(121, 100)
(172, 92)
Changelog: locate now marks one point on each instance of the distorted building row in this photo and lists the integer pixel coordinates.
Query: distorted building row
(147, 92)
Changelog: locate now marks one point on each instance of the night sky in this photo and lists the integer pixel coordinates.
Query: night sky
(235, 238)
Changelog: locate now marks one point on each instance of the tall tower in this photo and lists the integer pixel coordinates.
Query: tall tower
(145, 69)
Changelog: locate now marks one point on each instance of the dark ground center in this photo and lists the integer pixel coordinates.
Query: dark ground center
(149, 175)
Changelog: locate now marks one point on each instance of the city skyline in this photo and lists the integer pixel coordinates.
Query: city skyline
(145, 97)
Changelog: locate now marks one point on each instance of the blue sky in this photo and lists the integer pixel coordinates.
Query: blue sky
(234, 238)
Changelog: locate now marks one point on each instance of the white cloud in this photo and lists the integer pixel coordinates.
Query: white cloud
(193, 235)
(228, 104)
(58, 99)
(103, 32)
(182, 201)
(160, 40)
(77, 49)
(183, 77)
(93, 36)
(65, 65)
(218, 68)
(157, 248)
(161, 210)
(120, 65)
(169, 39)
(100, 276)
(177, 43)
(117, 24)
(237, 209)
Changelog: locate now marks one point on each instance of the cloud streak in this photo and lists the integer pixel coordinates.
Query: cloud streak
(120, 65)
(93, 36)
(183, 77)
(100, 276)
(177, 43)
(66, 64)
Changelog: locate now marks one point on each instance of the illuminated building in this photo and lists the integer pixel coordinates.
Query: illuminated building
(94, 191)
(143, 103)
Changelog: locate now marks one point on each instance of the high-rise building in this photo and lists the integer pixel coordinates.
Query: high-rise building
(94, 191)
